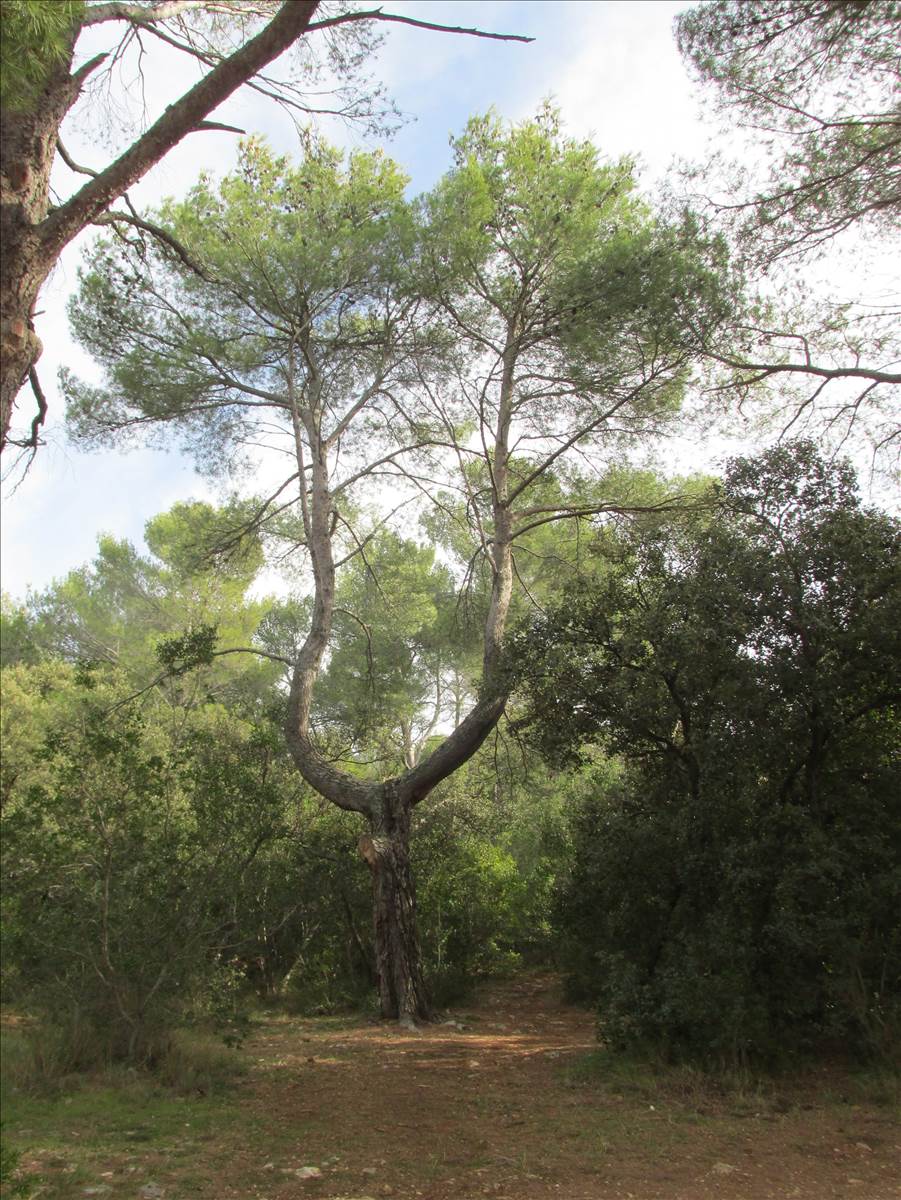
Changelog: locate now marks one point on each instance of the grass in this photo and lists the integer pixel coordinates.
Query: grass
(113, 1126)
(702, 1093)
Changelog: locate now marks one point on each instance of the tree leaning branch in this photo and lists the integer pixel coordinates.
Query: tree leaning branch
(378, 14)
(177, 121)
(34, 234)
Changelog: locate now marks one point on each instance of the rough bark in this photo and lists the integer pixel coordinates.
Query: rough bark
(33, 237)
(27, 148)
(386, 849)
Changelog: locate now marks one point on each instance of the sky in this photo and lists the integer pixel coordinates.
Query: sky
(610, 65)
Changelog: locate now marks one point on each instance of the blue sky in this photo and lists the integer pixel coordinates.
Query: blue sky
(613, 69)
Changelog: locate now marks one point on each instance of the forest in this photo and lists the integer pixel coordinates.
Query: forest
(469, 801)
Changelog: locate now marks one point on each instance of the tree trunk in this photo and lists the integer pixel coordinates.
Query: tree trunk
(386, 848)
(20, 347)
(27, 147)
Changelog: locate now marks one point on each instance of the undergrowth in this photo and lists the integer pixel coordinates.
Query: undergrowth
(737, 1091)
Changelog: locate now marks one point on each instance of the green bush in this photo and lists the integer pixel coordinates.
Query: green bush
(486, 850)
(761, 934)
(735, 895)
(467, 910)
(126, 837)
(305, 926)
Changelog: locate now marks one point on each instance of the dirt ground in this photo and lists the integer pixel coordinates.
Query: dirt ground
(504, 1107)
(501, 1108)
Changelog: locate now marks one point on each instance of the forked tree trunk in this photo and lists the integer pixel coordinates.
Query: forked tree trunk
(402, 992)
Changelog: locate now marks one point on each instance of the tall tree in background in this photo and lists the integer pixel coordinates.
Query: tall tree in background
(117, 611)
(527, 319)
(234, 39)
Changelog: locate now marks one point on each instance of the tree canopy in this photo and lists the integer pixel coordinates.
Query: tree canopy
(819, 81)
(815, 83)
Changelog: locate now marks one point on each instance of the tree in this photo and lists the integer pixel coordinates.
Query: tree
(125, 607)
(527, 318)
(816, 80)
(735, 887)
(234, 39)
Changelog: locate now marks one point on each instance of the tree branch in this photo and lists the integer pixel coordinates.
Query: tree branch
(288, 662)
(765, 370)
(290, 23)
(376, 14)
(162, 235)
(141, 14)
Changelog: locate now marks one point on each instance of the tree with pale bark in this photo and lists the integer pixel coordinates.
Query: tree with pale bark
(45, 74)
(491, 352)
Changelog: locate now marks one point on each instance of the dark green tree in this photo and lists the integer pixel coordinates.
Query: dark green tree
(736, 888)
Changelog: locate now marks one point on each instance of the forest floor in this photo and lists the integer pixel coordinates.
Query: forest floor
(512, 1100)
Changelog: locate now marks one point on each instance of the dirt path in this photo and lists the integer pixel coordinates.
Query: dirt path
(503, 1107)
(511, 1100)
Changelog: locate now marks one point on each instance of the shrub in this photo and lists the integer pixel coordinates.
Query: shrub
(126, 836)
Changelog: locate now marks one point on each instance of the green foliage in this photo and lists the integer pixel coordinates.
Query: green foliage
(400, 653)
(193, 538)
(736, 891)
(469, 906)
(16, 640)
(532, 236)
(133, 612)
(487, 852)
(321, 278)
(305, 924)
(35, 38)
(287, 256)
(223, 870)
(468, 889)
(192, 649)
(126, 838)
(485, 861)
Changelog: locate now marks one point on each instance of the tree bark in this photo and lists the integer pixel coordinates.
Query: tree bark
(27, 148)
(386, 849)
